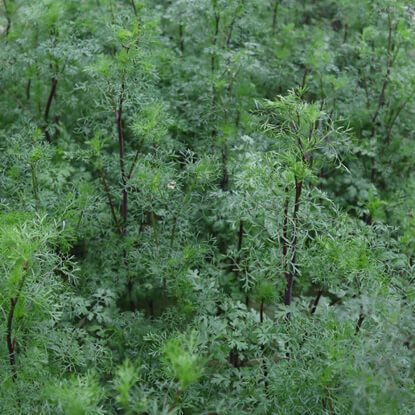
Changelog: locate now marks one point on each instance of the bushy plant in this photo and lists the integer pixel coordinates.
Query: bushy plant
(206, 207)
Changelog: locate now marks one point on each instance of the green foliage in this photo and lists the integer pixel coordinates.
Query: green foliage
(207, 207)
(182, 360)
(77, 396)
(126, 377)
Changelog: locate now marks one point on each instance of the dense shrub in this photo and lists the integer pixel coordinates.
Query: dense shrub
(207, 207)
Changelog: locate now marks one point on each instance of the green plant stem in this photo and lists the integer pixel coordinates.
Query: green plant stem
(184, 201)
(173, 232)
(35, 184)
(153, 224)
(11, 341)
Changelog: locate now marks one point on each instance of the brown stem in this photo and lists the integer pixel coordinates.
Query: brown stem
(274, 15)
(181, 41)
(381, 100)
(28, 86)
(50, 98)
(285, 228)
(290, 279)
(134, 8)
(316, 301)
(118, 116)
(389, 63)
(214, 40)
(9, 21)
(234, 357)
(48, 105)
(122, 169)
(176, 399)
(212, 64)
(261, 311)
(239, 257)
(359, 323)
(109, 197)
(225, 177)
(346, 32)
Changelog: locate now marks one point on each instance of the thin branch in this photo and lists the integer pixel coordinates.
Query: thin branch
(181, 41)
(9, 21)
(29, 84)
(274, 15)
(359, 323)
(135, 159)
(240, 239)
(303, 82)
(214, 40)
(381, 100)
(19, 102)
(11, 342)
(229, 36)
(393, 120)
(114, 106)
(35, 184)
(316, 301)
(48, 105)
(176, 398)
(389, 63)
(118, 116)
(346, 32)
(153, 224)
(173, 232)
(50, 98)
(366, 90)
(109, 197)
(122, 168)
(290, 276)
(134, 8)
